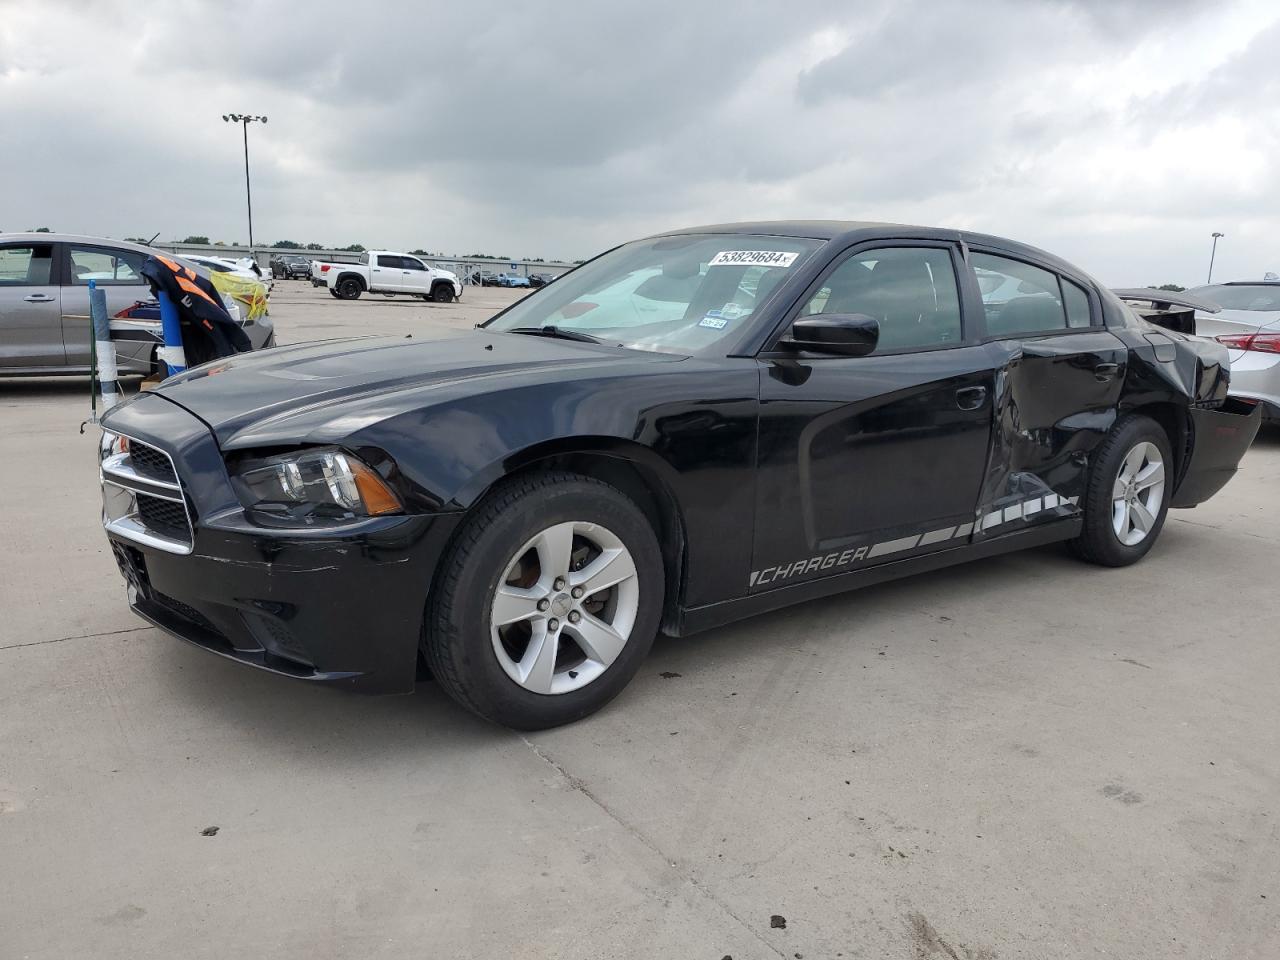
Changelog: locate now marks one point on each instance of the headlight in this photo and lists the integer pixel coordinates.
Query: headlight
(315, 487)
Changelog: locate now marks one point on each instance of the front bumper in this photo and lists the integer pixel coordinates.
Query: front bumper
(342, 606)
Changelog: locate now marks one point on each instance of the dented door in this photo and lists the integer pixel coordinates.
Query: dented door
(1055, 399)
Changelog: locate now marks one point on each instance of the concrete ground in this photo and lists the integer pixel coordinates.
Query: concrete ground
(1025, 757)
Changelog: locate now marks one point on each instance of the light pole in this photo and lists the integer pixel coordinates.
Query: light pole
(1212, 253)
(244, 120)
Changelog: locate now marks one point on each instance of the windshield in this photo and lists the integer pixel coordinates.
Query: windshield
(1262, 297)
(685, 294)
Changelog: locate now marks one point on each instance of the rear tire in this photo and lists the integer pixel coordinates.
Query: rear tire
(575, 636)
(1127, 499)
(350, 288)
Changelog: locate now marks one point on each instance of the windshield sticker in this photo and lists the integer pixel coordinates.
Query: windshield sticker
(754, 258)
(713, 320)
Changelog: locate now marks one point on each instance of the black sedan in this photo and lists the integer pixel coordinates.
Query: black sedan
(688, 430)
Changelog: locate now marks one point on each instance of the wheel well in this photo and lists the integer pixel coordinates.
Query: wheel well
(1173, 420)
(648, 492)
(351, 276)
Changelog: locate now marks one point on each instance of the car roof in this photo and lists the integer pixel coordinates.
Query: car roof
(1242, 283)
(848, 232)
(76, 238)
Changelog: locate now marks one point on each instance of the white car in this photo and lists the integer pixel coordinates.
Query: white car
(385, 272)
(244, 267)
(1249, 326)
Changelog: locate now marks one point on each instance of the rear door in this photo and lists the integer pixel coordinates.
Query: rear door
(117, 271)
(386, 272)
(1059, 373)
(868, 460)
(30, 307)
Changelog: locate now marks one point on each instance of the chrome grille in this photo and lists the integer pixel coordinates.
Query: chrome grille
(163, 516)
(151, 463)
(143, 501)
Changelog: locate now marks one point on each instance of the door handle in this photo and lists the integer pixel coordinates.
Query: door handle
(1105, 371)
(39, 298)
(971, 398)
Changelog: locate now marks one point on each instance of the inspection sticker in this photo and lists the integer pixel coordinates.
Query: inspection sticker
(754, 258)
(713, 320)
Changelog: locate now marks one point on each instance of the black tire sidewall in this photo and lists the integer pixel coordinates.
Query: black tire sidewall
(349, 289)
(459, 615)
(1099, 541)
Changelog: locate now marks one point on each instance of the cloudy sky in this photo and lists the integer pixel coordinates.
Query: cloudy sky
(1116, 133)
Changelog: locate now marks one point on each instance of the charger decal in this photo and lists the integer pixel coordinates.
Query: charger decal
(987, 519)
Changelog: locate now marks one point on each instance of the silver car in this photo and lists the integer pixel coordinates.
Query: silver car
(1248, 325)
(44, 302)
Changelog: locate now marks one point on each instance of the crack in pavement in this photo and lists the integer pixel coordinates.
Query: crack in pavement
(79, 636)
(1220, 527)
(583, 789)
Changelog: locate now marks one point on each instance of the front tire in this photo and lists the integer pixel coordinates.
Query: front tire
(1128, 494)
(547, 601)
(443, 293)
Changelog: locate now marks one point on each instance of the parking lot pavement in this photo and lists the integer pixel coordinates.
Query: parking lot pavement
(1022, 757)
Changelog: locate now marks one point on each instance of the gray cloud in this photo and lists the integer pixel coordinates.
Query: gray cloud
(1117, 133)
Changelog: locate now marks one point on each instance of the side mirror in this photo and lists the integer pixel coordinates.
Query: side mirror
(848, 334)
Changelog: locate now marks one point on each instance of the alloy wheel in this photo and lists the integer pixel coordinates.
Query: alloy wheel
(564, 608)
(1138, 494)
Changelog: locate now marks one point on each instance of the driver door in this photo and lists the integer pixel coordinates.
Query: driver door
(872, 459)
(417, 278)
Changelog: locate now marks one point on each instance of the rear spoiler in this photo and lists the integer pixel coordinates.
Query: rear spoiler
(1166, 308)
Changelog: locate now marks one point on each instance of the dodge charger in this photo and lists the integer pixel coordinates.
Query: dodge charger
(687, 430)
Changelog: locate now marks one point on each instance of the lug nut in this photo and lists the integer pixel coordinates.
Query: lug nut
(553, 624)
(574, 616)
(559, 583)
(577, 593)
(544, 603)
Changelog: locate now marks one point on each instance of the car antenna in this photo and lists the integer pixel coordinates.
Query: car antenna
(152, 240)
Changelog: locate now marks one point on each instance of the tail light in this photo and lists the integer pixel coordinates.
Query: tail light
(1260, 342)
(324, 268)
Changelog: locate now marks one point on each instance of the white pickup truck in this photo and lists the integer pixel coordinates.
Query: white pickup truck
(381, 271)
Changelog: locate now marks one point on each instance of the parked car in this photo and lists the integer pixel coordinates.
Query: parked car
(381, 271)
(1249, 326)
(44, 302)
(527, 503)
(540, 279)
(485, 278)
(244, 267)
(291, 266)
(513, 280)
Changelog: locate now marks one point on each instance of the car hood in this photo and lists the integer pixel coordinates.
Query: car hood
(321, 392)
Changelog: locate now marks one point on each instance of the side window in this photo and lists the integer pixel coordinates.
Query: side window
(1018, 297)
(412, 263)
(1077, 303)
(30, 266)
(364, 259)
(386, 260)
(106, 266)
(911, 291)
